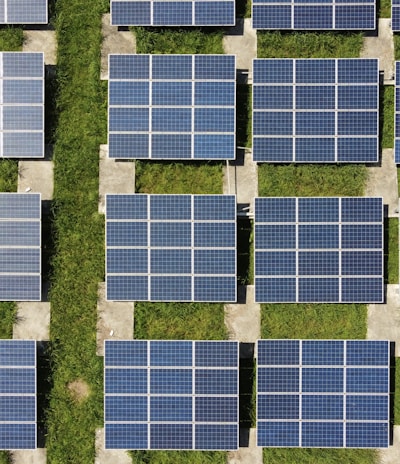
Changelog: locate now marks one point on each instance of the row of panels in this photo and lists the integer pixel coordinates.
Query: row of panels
(183, 248)
(184, 394)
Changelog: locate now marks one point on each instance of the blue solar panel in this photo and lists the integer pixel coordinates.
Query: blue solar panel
(319, 250)
(172, 13)
(315, 110)
(172, 106)
(170, 247)
(22, 104)
(323, 393)
(17, 394)
(20, 254)
(395, 15)
(180, 395)
(396, 26)
(316, 15)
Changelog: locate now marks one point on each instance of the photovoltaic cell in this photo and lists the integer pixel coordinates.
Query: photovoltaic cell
(20, 242)
(318, 250)
(175, 395)
(315, 110)
(170, 247)
(395, 15)
(172, 106)
(17, 394)
(172, 13)
(323, 393)
(22, 102)
(314, 14)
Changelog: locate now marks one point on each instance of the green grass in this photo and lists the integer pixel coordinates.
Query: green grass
(392, 251)
(78, 263)
(397, 393)
(309, 44)
(311, 180)
(177, 457)
(178, 177)
(385, 9)
(319, 321)
(176, 321)
(387, 116)
(178, 40)
(318, 456)
(11, 39)
(243, 115)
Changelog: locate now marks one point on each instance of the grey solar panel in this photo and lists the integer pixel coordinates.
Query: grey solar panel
(17, 394)
(20, 241)
(22, 105)
(323, 393)
(314, 15)
(172, 106)
(172, 13)
(171, 395)
(171, 247)
(316, 110)
(319, 250)
(23, 12)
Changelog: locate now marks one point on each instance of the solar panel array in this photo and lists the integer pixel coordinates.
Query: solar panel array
(17, 394)
(171, 395)
(397, 115)
(20, 239)
(323, 393)
(316, 110)
(21, 105)
(172, 13)
(171, 247)
(319, 250)
(172, 106)
(314, 14)
(23, 12)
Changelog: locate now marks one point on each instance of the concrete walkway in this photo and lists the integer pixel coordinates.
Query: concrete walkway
(36, 176)
(241, 178)
(114, 41)
(33, 321)
(241, 40)
(114, 320)
(36, 456)
(383, 321)
(249, 455)
(243, 319)
(114, 176)
(381, 46)
(391, 455)
(109, 456)
(41, 41)
(382, 182)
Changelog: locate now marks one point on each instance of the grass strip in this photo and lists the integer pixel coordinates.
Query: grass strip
(392, 251)
(178, 40)
(397, 393)
(309, 321)
(78, 264)
(307, 180)
(386, 114)
(318, 456)
(178, 177)
(279, 44)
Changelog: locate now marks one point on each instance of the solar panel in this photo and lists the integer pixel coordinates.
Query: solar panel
(21, 105)
(17, 394)
(172, 13)
(397, 114)
(171, 395)
(171, 247)
(314, 14)
(323, 393)
(395, 15)
(315, 110)
(20, 240)
(172, 106)
(319, 250)
(23, 12)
